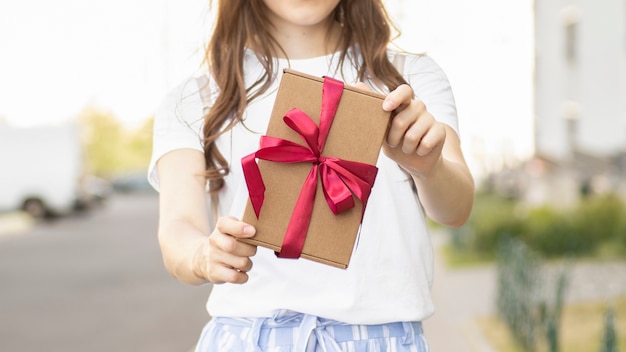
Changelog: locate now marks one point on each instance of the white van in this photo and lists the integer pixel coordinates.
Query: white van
(41, 169)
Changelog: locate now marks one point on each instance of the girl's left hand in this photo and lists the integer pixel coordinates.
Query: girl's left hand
(431, 152)
(415, 139)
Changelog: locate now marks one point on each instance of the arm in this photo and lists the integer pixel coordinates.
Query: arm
(191, 252)
(431, 152)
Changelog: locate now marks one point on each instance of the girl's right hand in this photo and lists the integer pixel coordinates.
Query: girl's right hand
(221, 258)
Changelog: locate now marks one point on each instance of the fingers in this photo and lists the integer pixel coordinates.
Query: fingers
(406, 128)
(409, 125)
(222, 257)
(415, 139)
(432, 141)
(228, 267)
(398, 99)
(223, 274)
(228, 229)
(423, 137)
(234, 227)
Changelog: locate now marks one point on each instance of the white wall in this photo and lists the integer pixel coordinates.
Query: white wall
(592, 87)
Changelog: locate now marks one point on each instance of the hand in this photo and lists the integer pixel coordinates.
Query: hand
(415, 139)
(221, 258)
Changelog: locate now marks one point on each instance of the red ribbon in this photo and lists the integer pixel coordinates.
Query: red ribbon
(341, 179)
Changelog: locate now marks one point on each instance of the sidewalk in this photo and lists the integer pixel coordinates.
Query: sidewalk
(461, 295)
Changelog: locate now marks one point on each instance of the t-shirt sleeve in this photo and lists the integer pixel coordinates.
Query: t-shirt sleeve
(432, 87)
(178, 124)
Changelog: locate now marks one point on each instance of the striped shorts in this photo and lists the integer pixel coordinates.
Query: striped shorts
(288, 331)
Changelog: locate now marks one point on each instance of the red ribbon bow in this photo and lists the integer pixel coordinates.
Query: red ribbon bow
(341, 179)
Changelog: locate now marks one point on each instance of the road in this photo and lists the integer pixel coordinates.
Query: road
(95, 282)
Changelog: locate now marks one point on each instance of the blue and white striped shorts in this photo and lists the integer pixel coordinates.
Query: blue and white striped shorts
(289, 331)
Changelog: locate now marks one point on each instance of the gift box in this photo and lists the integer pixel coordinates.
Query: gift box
(310, 180)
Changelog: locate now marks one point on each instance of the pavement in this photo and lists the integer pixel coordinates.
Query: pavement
(460, 297)
(463, 295)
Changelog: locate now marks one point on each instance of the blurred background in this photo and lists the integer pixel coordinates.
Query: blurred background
(541, 94)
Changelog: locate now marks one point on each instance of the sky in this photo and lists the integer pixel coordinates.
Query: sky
(124, 55)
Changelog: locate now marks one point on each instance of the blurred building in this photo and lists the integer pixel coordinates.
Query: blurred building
(580, 77)
(580, 103)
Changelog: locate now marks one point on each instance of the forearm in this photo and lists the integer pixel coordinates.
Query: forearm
(447, 193)
(183, 214)
(180, 242)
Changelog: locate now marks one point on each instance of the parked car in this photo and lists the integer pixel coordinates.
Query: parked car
(41, 170)
(97, 189)
(132, 182)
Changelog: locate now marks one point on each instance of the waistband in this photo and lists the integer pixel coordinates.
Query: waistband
(309, 331)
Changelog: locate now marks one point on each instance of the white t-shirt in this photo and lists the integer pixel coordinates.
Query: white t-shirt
(391, 270)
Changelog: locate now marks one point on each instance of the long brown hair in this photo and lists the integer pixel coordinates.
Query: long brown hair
(365, 25)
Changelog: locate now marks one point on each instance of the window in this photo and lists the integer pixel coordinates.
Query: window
(571, 39)
(570, 18)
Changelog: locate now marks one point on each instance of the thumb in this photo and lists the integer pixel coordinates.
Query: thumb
(234, 227)
(247, 231)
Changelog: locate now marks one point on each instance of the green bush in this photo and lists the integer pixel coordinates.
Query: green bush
(550, 232)
(596, 222)
(492, 219)
(600, 218)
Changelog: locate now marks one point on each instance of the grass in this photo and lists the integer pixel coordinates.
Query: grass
(455, 258)
(581, 329)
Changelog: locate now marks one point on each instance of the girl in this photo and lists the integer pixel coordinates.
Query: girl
(379, 301)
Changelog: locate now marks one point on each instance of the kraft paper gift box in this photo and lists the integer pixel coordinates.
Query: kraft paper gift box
(298, 171)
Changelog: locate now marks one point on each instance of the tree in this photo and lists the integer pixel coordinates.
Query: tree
(112, 148)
